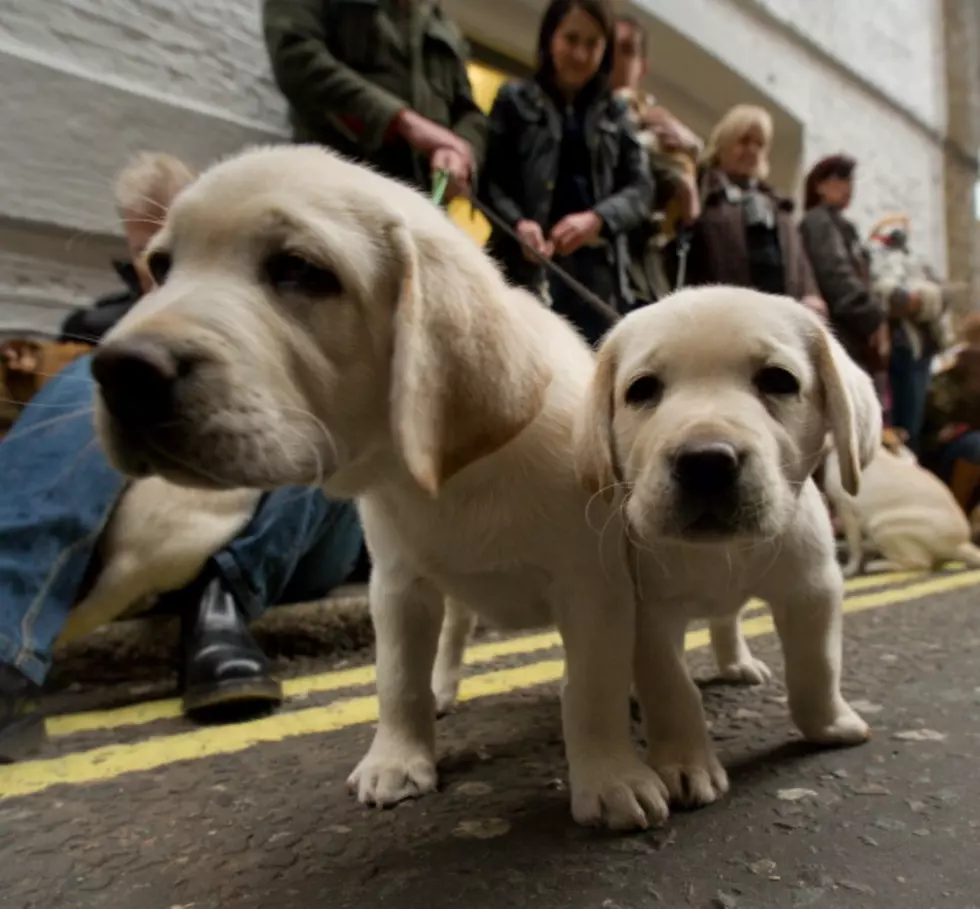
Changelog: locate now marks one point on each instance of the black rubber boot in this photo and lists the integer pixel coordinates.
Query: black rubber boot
(226, 675)
(21, 721)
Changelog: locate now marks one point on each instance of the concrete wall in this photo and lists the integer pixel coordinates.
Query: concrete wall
(88, 82)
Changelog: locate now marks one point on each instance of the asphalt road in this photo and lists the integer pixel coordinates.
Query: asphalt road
(134, 807)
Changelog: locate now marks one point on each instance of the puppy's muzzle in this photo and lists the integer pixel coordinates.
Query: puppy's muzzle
(139, 378)
(707, 480)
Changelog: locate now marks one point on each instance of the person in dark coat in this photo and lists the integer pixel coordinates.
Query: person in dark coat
(841, 265)
(746, 235)
(565, 169)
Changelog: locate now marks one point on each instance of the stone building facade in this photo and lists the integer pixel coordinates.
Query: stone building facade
(88, 82)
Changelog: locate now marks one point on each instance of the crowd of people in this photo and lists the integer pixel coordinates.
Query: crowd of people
(581, 167)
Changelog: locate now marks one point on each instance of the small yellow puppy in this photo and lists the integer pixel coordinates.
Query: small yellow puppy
(708, 413)
(908, 515)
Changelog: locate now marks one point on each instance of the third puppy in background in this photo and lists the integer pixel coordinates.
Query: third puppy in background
(908, 514)
(713, 436)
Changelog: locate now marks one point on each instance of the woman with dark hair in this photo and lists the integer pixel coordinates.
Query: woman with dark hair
(841, 265)
(564, 168)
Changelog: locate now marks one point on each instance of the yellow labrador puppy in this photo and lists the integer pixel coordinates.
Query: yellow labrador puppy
(317, 323)
(709, 410)
(908, 514)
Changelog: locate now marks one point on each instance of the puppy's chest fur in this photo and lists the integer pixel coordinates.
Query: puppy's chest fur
(706, 583)
(502, 551)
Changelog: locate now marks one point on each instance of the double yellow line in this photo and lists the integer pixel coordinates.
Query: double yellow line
(111, 761)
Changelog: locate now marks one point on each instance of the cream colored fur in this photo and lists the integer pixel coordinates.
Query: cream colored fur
(707, 348)
(443, 400)
(157, 540)
(907, 514)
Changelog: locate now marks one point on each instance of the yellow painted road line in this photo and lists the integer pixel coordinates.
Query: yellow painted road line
(112, 761)
(169, 709)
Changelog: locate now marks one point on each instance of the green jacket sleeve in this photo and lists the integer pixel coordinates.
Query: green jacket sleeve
(316, 84)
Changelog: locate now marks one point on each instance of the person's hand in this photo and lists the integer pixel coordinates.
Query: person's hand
(816, 305)
(530, 232)
(459, 165)
(427, 137)
(575, 231)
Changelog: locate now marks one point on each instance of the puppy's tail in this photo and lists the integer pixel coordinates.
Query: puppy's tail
(969, 554)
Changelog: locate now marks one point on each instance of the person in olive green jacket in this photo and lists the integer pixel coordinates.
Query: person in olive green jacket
(381, 81)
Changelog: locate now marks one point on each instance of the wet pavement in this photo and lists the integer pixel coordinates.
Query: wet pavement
(135, 807)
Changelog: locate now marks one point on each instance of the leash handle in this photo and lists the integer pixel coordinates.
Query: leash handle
(440, 183)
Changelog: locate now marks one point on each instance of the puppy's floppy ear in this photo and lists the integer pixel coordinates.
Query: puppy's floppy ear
(594, 458)
(851, 408)
(464, 381)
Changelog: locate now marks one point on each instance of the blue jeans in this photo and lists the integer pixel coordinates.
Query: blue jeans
(59, 492)
(963, 448)
(909, 380)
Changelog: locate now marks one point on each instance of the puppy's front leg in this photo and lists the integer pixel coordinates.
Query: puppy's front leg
(610, 784)
(809, 621)
(401, 761)
(678, 743)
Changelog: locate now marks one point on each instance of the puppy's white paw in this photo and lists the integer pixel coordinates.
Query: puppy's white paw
(391, 774)
(694, 777)
(619, 794)
(751, 672)
(851, 569)
(445, 687)
(847, 728)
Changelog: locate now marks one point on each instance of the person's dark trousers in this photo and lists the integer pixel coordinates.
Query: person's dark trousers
(589, 266)
(908, 379)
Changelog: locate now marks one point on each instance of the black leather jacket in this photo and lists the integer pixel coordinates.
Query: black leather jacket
(521, 166)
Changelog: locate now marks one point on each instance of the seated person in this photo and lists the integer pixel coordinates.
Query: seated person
(58, 502)
(951, 430)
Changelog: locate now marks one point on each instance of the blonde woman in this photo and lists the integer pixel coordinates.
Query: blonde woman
(746, 235)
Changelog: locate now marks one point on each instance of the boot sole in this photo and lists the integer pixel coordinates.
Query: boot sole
(22, 739)
(262, 694)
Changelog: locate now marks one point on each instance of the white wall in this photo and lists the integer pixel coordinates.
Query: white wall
(88, 82)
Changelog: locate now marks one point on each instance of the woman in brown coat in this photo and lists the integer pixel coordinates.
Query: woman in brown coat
(746, 235)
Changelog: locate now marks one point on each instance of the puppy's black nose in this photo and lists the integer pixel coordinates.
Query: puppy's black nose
(707, 469)
(137, 377)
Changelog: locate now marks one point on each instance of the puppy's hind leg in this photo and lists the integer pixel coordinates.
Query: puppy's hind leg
(401, 761)
(457, 625)
(851, 523)
(732, 655)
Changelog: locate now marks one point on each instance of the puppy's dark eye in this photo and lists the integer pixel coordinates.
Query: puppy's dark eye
(644, 391)
(292, 274)
(158, 264)
(776, 381)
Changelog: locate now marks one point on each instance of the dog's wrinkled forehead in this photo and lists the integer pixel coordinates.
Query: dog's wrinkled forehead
(714, 333)
(302, 200)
